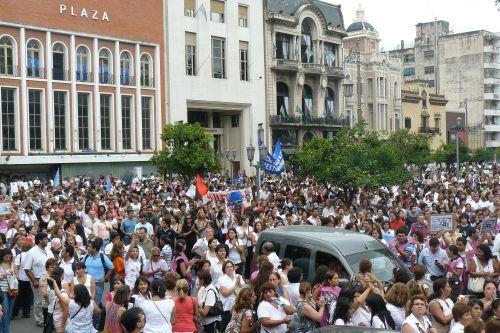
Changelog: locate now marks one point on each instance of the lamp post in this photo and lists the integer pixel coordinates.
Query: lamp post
(262, 151)
(458, 153)
(231, 157)
(250, 157)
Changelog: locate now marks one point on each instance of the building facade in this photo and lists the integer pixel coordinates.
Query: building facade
(80, 86)
(304, 73)
(216, 72)
(372, 84)
(424, 112)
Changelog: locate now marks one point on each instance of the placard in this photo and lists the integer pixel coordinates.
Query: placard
(441, 222)
(489, 225)
(4, 208)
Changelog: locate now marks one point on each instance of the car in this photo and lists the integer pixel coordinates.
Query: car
(341, 250)
(350, 329)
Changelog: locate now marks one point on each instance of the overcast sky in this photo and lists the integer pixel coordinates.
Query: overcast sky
(395, 20)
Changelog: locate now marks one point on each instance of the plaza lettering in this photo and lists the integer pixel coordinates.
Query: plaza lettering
(84, 13)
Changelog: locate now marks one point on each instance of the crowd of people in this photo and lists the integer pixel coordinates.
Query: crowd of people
(148, 256)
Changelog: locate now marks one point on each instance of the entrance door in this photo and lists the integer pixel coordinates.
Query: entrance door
(236, 168)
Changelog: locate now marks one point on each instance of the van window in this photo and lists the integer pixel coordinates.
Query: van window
(299, 257)
(332, 262)
(275, 244)
(383, 262)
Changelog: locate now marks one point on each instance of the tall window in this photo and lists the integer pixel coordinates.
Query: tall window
(397, 125)
(329, 54)
(126, 122)
(60, 120)
(35, 119)
(282, 96)
(244, 61)
(306, 52)
(33, 65)
(8, 119)
(307, 101)
(58, 62)
(243, 16)
(408, 123)
(429, 70)
(146, 71)
(330, 102)
(105, 121)
(125, 68)
(190, 53)
(82, 64)
(6, 56)
(83, 121)
(189, 8)
(282, 46)
(104, 66)
(218, 58)
(217, 11)
(146, 122)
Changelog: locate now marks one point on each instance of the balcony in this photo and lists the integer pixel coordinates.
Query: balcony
(312, 68)
(491, 96)
(286, 65)
(429, 130)
(147, 82)
(492, 80)
(60, 74)
(334, 71)
(308, 121)
(9, 70)
(492, 112)
(82, 76)
(491, 65)
(35, 72)
(285, 120)
(127, 80)
(106, 78)
(491, 49)
(492, 128)
(492, 143)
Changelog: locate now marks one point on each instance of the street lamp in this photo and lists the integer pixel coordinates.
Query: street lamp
(231, 157)
(456, 137)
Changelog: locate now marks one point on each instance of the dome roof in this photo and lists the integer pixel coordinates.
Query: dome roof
(357, 26)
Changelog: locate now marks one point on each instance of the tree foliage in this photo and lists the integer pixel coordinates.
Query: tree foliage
(447, 153)
(351, 159)
(412, 148)
(483, 154)
(187, 151)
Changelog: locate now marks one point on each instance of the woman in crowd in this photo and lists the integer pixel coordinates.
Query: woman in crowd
(155, 267)
(490, 293)
(476, 308)
(229, 284)
(117, 281)
(180, 263)
(273, 313)
(309, 313)
(189, 234)
(243, 319)
(116, 257)
(236, 250)
(481, 267)
(461, 317)
(8, 281)
(133, 320)
(25, 295)
(141, 291)
(396, 298)
(82, 278)
(186, 308)
(416, 321)
(115, 308)
(57, 311)
(208, 296)
(275, 279)
(454, 270)
(381, 317)
(441, 305)
(159, 311)
(317, 284)
(285, 267)
(329, 292)
(343, 312)
(265, 270)
(133, 264)
(211, 254)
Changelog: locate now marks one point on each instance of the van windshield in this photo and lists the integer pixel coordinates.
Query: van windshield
(382, 263)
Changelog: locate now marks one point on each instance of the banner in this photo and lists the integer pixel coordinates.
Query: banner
(232, 198)
(4, 208)
(441, 222)
(274, 164)
(489, 225)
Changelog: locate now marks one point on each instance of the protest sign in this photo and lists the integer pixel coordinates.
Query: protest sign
(441, 222)
(488, 225)
(4, 208)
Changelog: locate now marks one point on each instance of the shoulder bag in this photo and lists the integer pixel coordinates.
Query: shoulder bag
(217, 308)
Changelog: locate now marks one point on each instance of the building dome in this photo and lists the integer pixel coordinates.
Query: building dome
(359, 23)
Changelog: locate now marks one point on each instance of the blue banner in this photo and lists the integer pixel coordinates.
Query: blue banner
(274, 164)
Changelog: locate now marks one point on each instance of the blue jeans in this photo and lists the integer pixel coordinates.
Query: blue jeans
(99, 290)
(7, 305)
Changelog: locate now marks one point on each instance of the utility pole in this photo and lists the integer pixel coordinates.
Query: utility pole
(458, 152)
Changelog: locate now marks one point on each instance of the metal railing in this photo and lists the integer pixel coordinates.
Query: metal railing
(83, 76)
(35, 72)
(106, 78)
(308, 120)
(60, 74)
(8, 70)
(127, 80)
(147, 81)
(429, 130)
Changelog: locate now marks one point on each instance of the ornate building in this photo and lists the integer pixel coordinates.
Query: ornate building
(303, 51)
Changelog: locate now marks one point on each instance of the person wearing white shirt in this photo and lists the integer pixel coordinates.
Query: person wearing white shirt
(207, 296)
(144, 224)
(461, 316)
(229, 283)
(268, 250)
(272, 312)
(314, 218)
(66, 263)
(22, 300)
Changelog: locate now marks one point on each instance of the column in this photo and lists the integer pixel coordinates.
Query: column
(118, 97)
(24, 96)
(74, 97)
(96, 100)
(138, 103)
(157, 104)
(49, 114)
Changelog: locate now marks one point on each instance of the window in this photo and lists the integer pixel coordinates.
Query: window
(105, 67)
(424, 99)
(329, 102)
(125, 68)
(332, 262)
(189, 8)
(216, 122)
(60, 120)
(409, 58)
(199, 117)
(244, 61)
(382, 260)
(82, 64)
(35, 119)
(299, 257)
(58, 56)
(190, 53)
(409, 71)
(217, 11)
(218, 58)
(329, 54)
(348, 89)
(307, 54)
(33, 65)
(408, 123)
(370, 87)
(282, 96)
(429, 70)
(307, 101)
(243, 16)
(8, 119)
(429, 54)
(146, 71)
(146, 122)
(282, 46)
(83, 121)
(105, 121)
(397, 125)
(235, 120)
(127, 122)
(6, 56)
(431, 83)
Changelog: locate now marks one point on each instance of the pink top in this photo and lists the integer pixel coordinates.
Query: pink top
(184, 319)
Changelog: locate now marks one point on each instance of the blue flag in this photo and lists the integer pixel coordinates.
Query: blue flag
(275, 163)
(240, 179)
(57, 181)
(108, 184)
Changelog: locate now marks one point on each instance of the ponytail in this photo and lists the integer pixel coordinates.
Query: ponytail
(182, 295)
(182, 288)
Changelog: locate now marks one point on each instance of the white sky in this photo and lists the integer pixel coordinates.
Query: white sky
(395, 20)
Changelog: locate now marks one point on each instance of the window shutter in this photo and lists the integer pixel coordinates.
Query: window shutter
(243, 11)
(190, 38)
(217, 6)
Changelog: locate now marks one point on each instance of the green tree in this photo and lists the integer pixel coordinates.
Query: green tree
(447, 153)
(412, 148)
(187, 151)
(353, 158)
(483, 154)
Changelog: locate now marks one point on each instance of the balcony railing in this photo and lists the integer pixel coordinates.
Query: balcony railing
(60, 74)
(106, 78)
(334, 71)
(147, 81)
(287, 64)
(429, 130)
(312, 67)
(308, 120)
(9, 70)
(35, 72)
(127, 80)
(83, 76)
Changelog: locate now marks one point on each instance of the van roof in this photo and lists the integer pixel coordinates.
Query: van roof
(346, 241)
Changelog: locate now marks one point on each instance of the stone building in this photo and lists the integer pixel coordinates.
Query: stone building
(303, 51)
(372, 83)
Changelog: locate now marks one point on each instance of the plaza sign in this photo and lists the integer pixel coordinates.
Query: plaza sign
(84, 13)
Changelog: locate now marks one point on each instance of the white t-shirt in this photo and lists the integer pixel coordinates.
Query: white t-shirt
(207, 296)
(68, 269)
(132, 271)
(19, 262)
(361, 316)
(267, 310)
(234, 255)
(227, 282)
(36, 259)
(158, 315)
(457, 328)
(242, 234)
(274, 259)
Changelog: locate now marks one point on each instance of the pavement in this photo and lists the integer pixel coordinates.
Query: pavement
(24, 325)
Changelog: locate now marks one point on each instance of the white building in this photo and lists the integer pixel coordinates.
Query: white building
(215, 70)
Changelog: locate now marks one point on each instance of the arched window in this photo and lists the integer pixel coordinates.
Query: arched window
(307, 49)
(82, 64)
(104, 66)
(33, 64)
(125, 68)
(307, 101)
(146, 71)
(58, 62)
(282, 96)
(329, 103)
(6, 56)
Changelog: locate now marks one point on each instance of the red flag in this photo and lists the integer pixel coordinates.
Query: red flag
(462, 135)
(201, 187)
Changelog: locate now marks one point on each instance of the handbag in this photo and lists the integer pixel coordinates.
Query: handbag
(12, 284)
(476, 284)
(197, 319)
(48, 324)
(217, 308)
